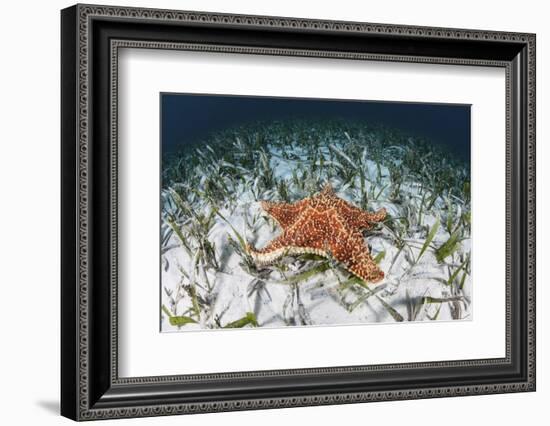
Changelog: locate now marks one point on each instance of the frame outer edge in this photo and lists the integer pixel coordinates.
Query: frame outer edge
(266, 21)
(531, 200)
(83, 60)
(69, 192)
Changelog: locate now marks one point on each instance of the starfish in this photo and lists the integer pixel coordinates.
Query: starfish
(325, 225)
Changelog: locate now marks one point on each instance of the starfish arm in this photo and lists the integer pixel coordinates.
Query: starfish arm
(284, 213)
(353, 253)
(270, 253)
(280, 247)
(357, 218)
(366, 219)
(308, 234)
(367, 269)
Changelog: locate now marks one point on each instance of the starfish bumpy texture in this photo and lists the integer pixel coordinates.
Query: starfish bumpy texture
(326, 225)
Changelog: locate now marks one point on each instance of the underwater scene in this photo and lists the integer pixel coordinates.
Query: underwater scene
(311, 212)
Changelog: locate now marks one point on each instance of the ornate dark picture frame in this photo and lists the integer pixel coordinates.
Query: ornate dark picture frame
(90, 38)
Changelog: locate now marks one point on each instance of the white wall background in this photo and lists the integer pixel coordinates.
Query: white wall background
(29, 212)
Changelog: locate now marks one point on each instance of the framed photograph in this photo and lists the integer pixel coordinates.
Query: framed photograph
(263, 212)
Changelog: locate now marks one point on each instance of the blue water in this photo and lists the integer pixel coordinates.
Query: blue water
(189, 118)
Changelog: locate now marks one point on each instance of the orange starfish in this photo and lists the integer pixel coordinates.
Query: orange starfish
(324, 225)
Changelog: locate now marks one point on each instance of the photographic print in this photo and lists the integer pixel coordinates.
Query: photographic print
(280, 212)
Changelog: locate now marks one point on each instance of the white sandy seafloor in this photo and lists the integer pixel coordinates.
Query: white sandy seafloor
(423, 290)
